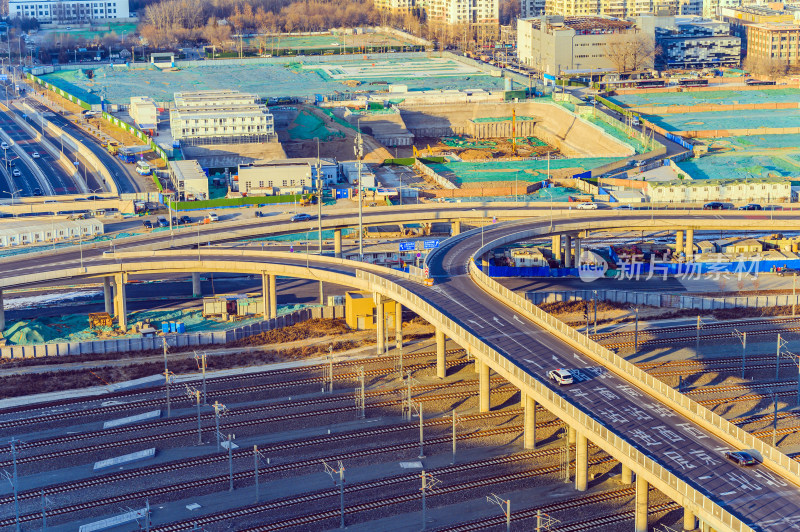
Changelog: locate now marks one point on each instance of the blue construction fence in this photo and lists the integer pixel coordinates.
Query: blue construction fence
(678, 140)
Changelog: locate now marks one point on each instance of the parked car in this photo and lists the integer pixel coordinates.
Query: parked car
(212, 217)
(587, 205)
(174, 220)
(625, 207)
(147, 224)
(560, 376)
(787, 271)
(301, 217)
(751, 207)
(713, 206)
(742, 458)
(162, 222)
(259, 214)
(185, 219)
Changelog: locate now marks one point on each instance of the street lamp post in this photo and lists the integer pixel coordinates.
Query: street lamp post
(13, 193)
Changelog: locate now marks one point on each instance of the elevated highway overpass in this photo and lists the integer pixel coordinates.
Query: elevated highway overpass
(667, 440)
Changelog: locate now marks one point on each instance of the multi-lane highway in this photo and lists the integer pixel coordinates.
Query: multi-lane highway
(124, 176)
(758, 496)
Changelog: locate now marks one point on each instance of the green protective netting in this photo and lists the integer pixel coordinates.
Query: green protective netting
(530, 171)
(727, 120)
(744, 157)
(501, 119)
(721, 97)
(467, 143)
(308, 126)
(543, 194)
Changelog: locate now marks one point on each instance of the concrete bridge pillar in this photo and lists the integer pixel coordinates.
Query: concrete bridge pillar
(2, 312)
(380, 322)
(108, 296)
(455, 228)
(120, 304)
(581, 463)
(689, 243)
(640, 516)
(273, 296)
(530, 422)
(678, 242)
(265, 295)
(337, 243)
(321, 294)
(689, 520)
(441, 367)
(484, 397)
(577, 252)
(571, 435)
(626, 477)
(398, 327)
(567, 251)
(197, 289)
(555, 247)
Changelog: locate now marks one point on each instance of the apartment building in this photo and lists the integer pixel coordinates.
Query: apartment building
(620, 9)
(557, 45)
(395, 6)
(482, 16)
(697, 43)
(741, 17)
(68, 11)
(778, 42)
(532, 8)
(220, 117)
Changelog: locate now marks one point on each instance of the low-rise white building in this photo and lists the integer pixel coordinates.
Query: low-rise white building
(750, 190)
(528, 257)
(189, 180)
(40, 230)
(220, 117)
(144, 112)
(350, 172)
(275, 177)
(68, 11)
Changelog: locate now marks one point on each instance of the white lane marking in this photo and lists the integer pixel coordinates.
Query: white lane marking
(706, 477)
(533, 362)
(475, 323)
(518, 320)
(727, 493)
(497, 321)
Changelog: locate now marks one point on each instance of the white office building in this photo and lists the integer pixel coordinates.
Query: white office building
(40, 230)
(756, 190)
(68, 11)
(220, 117)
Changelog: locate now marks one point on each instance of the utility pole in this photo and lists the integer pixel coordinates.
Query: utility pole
(455, 422)
(201, 364)
(359, 151)
(166, 375)
(219, 410)
(421, 434)
(697, 337)
(781, 344)
(505, 507)
(594, 299)
(636, 331)
(327, 372)
(794, 293)
(231, 437)
(742, 338)
(13, 480)
(257, 457)
(429, 482)
(774, 420)
(361, 397)
(333, 473)
(194, 393)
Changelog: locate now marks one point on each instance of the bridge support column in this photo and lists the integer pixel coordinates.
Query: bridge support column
(640, 518)
(2, 312)
(119, 301)
(197, 289)
(555, 248)
(689, 243)
(530, 422)
(273, 296)
(571, 435)
(337, 243)
(380, 322)
(441, 367)
(321, 294)
(689, 520)
(581, 463)
(484, 397)
(455, 228)
(108, 296)
(265, 295)
(577, 252)
(678, 242)
(567, 251)
(626, 476)
(398, 327)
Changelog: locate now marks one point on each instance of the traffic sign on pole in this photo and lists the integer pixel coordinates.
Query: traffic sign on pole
(431, 244)
(408, 246)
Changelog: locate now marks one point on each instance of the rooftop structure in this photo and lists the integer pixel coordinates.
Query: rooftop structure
(189, 179)
(220, 117)
(144, 112)
(47, 230)
(275, 177)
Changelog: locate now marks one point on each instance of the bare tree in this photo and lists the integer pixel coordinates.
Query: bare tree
(630, 52)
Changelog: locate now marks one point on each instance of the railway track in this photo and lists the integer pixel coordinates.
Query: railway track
(686, 328)
(179, 391)
(193, 431)
(587, 524)
(686, 339)
(246, 453)
(741, 387)
(308, 519)
(244, 475)
(705, 362)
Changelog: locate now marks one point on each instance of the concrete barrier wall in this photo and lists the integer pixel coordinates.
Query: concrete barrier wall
(427, 171)
(658, 299)
(508, 190)
(122, 344)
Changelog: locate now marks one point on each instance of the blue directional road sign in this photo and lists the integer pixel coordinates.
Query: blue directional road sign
(431, 244)
(408, 246)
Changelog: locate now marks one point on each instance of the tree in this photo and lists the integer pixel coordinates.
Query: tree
(627, 52)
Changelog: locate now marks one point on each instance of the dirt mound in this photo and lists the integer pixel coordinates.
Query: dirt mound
(315, 328)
